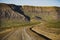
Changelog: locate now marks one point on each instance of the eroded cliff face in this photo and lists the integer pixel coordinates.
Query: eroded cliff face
(7, 12)
(45, 13)
(13, 12)
(27, 13)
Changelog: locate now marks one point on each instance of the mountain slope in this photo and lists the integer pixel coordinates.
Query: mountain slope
(46, 13)
(11, 12)
(14, 14)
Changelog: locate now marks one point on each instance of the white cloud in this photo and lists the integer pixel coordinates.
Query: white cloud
(33, 2)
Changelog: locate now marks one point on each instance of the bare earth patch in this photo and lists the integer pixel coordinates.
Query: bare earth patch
(52, 33)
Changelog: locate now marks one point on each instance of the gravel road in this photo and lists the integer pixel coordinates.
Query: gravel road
(23, 33)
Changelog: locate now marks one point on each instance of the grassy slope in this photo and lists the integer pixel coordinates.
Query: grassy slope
(53, 24)
(7, 24)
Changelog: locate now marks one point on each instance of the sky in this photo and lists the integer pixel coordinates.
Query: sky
(33, 2)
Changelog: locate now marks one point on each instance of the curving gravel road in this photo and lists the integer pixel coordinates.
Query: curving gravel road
(23, 33)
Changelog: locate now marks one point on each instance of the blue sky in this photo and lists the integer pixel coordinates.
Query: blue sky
(33, 2)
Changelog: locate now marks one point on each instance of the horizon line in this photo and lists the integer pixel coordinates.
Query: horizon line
(32, 5)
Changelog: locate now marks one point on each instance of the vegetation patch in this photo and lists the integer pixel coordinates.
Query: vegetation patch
(14, 24)
(53, 24)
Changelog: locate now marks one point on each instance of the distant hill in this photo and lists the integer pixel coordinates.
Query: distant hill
(47, 13)
(28, 13)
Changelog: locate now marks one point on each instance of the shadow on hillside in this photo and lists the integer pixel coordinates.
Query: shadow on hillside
(20, 11)
(41, 35)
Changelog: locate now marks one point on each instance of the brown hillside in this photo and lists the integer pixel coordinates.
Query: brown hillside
(46, 13)
(10, 11)
(27, 12)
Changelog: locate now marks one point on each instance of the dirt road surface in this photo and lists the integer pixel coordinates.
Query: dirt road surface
(24, 33)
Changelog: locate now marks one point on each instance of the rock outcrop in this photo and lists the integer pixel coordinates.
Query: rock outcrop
(10, 11)
(46, 13)
(27, 13)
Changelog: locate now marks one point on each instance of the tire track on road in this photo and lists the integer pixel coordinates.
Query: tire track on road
(23, 33)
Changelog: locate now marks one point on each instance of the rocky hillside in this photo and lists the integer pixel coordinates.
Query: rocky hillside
(11, 11)
(46, 13)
